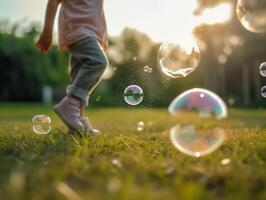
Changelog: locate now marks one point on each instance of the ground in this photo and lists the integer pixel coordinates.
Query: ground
(125, 164)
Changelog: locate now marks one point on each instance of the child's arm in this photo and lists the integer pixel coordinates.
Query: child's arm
(45, 40)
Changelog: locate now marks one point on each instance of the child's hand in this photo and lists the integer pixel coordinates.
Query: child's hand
(44, 43)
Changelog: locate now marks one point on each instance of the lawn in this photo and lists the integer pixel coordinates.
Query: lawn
(123, 163)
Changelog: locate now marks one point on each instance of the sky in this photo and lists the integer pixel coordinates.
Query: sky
(162, 20)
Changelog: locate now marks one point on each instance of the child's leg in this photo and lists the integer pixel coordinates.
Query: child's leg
(88, 63)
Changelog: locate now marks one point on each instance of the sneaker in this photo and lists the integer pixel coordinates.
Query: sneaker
(88, 127)
(69, 111)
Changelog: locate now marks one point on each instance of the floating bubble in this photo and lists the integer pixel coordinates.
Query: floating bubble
(263, 69)
(41, 124)
(252, 15)
(146, 68)
(133, 95)
(135, 58)
(150, 70)
(178, 60)
(140, 126)
(263, 91)
(199, 113)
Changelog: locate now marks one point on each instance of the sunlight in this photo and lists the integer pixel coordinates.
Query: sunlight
(221, 13)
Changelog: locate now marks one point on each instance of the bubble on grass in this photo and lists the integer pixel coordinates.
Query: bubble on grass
(133, 95)
(263, 69)
(41, 124)
(199, 113)
(135, 58)
(178, 60)
(263, 91)
(252, 15)
(140, 126)
(196, 142)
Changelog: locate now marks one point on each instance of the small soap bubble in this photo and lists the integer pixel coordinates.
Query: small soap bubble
(133, 95)
(98, 98)
(146, 68)
(199, 113)
(150, 70)
(252, 15)
(263, 91)
(41, 124)
(178, 60)
(140, 126)
(135, 58)
(263, 69)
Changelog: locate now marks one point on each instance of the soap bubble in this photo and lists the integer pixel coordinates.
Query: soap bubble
(252, 15)
(263, 91)
(177, 60)
(196, 143)
(150, 70)
(41, 124)
(140, 126)
(146, 68)
(199, 112)
(133, 95)
(263, 69)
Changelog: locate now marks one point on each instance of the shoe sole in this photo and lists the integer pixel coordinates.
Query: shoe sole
(65, 120)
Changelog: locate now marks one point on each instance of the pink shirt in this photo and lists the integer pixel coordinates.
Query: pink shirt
(79, 19)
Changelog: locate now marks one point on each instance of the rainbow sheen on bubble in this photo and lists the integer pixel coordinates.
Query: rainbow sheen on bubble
(200, 101)
(199, 114)
(190, 141)
(178, 60)
(41, 124)
(263, 69)
(252, 15)
(133, 95)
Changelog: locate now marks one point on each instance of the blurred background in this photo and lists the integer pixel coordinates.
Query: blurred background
(229, 65)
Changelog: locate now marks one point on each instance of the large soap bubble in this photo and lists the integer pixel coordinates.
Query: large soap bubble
(177, 60)
(41, 124)
(252, 15)
(263, 69)
(199, 113)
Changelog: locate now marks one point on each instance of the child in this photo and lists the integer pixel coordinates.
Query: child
(82, 32)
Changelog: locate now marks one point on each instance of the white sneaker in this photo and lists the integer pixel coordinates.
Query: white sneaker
(69, 111)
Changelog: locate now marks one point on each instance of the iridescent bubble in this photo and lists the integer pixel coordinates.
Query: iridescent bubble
(140, 126)
(199, 113)
(177, 60)
(133, 95)
(263, 91)
(263, 69)
(195, 142)
(41, 124)
(252, 15)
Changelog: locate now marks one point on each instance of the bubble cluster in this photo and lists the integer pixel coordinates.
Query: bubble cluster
(263, 69)
(133, 95)
(177, 60)
(41, 124)
(252, 15)
(199, 113)
(148, 69)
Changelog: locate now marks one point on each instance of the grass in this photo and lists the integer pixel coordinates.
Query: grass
(125, 164)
